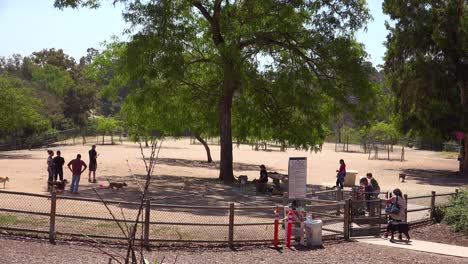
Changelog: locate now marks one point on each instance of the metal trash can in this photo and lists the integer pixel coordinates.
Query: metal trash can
(313, 230)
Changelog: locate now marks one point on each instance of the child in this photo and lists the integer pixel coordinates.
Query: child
(341, 174)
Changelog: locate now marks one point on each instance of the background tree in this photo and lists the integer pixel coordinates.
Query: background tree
(19, 110)
(227, 39)
(426, 65)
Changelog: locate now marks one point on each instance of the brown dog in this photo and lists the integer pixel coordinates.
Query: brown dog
(117, 185)
(402, 177)
(4, 180)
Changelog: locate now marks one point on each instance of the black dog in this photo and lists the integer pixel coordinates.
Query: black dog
(401, 227)
(59, 185)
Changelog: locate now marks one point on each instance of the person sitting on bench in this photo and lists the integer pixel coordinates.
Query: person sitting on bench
(262, 183)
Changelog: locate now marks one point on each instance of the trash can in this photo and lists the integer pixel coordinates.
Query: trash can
(313, 232)
(350, 179)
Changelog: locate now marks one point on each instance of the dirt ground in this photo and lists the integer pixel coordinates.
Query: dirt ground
(427, 171)
(19, 251)
(439, 233)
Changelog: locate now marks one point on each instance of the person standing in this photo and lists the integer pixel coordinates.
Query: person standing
(368, 192)
(398, 213)
(92, 163)
(58, 163)
(50, 166)
(374, 183)
(77, 167)
(341, 174)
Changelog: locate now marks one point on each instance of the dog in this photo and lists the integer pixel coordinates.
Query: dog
(402, 177)
(117, 185)
(58, 185)
(401, 227)
(4, 180)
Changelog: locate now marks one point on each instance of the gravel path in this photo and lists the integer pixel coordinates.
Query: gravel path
(20, 250)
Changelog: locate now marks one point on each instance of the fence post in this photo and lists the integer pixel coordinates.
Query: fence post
(406, 207)
(433, 197)
(339, 197)
(147, 223)
(456, 193)
(346, 216)
(53, 209)
(231, 225)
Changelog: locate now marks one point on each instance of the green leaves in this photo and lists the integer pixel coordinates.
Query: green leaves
(426, 64)
(52, 79)
(18, 108)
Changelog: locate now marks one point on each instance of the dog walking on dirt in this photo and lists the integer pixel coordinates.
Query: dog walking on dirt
(4, 180)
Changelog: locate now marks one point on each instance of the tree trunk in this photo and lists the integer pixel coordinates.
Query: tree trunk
(225, 106)
(465, 156)
(207, 148)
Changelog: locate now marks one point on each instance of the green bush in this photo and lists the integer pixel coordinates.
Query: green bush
(438, 214)
(456, 214)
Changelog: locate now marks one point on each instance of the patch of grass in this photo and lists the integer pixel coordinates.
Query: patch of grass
(7, 219)
(449, 155)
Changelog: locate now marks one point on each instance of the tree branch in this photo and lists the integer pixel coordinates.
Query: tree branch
(203, 10)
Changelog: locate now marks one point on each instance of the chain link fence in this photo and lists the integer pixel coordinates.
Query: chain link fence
(66, 217)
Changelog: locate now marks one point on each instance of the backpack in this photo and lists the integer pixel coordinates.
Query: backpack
(393, 208)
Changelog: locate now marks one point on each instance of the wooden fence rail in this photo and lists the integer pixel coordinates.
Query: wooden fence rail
(236, 219)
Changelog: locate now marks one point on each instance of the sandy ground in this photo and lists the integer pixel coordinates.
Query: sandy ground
(426, 170)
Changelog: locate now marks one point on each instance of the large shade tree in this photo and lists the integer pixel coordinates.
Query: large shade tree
(234, 41)
(426, 65)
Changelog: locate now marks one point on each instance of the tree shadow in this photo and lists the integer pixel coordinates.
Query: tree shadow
(181, 191)
(203, 164)
(18, 156)
(136, 146)
(436, 177)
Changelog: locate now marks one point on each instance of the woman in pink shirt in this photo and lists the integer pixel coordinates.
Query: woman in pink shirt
(341, 174)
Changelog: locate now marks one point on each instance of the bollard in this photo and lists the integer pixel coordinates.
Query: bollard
(289, 229)
(275, 238)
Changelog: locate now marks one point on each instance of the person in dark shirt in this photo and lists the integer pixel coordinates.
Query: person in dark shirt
(368, 192)
(59, 161)
(375, 185)
(76, 167)
(92, 163)
(263, 174)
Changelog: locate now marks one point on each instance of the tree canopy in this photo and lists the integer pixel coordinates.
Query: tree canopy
(287, 51)
(426, 65)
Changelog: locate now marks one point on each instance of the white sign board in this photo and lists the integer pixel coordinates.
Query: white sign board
(297, 177)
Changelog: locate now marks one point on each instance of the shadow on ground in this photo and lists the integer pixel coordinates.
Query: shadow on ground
(203, 164)
(436, 177)
(18, 156)
(181, 191)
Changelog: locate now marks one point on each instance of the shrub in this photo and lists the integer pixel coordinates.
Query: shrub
(438, 214)
(456, 215)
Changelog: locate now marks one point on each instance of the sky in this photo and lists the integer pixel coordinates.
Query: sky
(32, 25)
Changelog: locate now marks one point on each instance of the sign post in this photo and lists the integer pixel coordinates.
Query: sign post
(297, 178)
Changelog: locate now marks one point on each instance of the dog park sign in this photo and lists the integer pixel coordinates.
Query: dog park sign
(297, 177)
